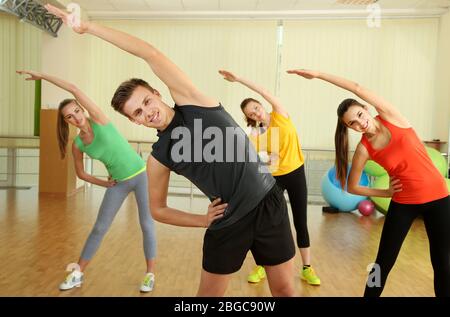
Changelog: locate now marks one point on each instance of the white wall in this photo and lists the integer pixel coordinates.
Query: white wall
(64, 57)
(397, 61)
(441, 115)
(199, 48)
(20, 47)
(405, 61)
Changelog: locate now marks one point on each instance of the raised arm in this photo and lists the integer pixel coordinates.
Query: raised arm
(94, 111)
(271, 99)
(383, 107)
(158, 179)
(79, 169)
(181, 88)
(358, 162)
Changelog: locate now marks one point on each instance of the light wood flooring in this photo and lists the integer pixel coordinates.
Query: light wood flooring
(41, 234)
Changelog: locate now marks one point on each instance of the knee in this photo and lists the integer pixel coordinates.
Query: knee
(99, 230)
(147, 229)
(211, 291)
(284, 291)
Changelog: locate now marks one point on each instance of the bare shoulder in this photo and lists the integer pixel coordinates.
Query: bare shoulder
(361, 152)
(75, 148)
(196, 98)
(100, 120)
(396, 118)
(282, 113)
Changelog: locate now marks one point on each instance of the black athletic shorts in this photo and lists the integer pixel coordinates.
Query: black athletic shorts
(265, 231)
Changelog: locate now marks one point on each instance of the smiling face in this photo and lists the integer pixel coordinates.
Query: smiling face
(142, 104)
(253, 110)
(358, 119)
(146, 107)
(74, 114)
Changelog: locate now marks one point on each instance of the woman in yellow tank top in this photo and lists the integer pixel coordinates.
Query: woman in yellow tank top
(274, 133)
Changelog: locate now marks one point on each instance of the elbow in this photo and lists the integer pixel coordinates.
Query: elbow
(150, 54)
(352, 189)
(73, 89)
(357, 89)
(156, 213)
(264, 93)
(81, 176)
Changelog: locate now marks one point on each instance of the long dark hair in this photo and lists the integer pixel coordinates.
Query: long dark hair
(341, 141)
(250, 122)
(62, 128)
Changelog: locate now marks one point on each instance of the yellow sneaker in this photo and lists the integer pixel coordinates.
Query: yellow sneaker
(309, 276)
(256, 275)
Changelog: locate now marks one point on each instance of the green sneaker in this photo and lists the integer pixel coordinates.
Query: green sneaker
(74, 279)
(148, 282)
(256, 275)
(310, 276)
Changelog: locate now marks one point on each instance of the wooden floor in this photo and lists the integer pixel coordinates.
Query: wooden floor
(41, 234)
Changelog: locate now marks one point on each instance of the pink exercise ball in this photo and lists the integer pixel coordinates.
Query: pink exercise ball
(366, 207)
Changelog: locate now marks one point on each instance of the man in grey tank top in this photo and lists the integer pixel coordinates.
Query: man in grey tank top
(200, 140)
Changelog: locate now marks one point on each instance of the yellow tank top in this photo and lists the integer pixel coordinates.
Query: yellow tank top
(281, 143)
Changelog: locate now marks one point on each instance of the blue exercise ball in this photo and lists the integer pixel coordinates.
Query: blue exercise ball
(336, 197)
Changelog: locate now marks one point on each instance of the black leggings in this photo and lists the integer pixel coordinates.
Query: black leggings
(295, 184)
(436, 215)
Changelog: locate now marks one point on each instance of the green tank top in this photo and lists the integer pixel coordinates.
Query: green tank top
(113, 150)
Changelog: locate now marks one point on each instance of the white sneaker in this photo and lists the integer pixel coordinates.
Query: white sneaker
(74, 279)
(148, 282)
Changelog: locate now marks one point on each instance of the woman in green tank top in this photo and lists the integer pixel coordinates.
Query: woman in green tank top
(99, 139)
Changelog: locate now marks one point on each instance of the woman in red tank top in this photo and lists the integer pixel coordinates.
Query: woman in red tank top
(416, 187)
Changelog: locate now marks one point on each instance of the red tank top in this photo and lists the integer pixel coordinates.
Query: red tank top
(405, 158)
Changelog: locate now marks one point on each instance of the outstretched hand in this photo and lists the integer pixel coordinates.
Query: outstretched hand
(70, 19)
(33, 75)
(308, 74)
(228, 75)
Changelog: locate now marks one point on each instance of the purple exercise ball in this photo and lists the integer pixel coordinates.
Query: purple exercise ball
(366, 207)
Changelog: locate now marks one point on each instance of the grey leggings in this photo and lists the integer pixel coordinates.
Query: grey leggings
(111, 203)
